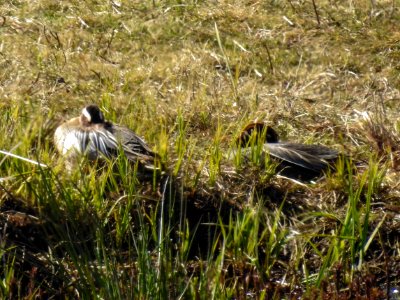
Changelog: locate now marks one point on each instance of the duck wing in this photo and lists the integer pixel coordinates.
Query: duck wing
(133, 146)
(319, 151)
(100, 140)
(312, 157)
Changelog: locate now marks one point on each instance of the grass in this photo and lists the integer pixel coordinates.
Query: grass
(188, 76)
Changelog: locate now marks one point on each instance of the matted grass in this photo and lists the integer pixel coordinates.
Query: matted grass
(188, 76)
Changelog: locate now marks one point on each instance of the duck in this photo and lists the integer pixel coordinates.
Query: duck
(91, 136)
(297, 161)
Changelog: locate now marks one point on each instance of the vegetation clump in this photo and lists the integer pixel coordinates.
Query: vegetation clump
(188, 77)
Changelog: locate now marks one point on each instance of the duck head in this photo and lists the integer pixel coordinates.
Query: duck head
(91, 114)
(260, 131)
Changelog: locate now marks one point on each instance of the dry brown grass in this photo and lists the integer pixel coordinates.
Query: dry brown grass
(158, 68)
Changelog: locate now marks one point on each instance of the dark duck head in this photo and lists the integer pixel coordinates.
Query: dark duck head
(91, 114)
(257, 132)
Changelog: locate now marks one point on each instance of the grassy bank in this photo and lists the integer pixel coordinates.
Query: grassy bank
(188, 76)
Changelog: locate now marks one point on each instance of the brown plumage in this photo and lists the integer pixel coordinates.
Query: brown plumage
(91, 136)
(261, 130)
(298, 161)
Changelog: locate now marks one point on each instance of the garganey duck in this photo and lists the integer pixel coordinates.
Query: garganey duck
(90, 135)
(298, 161)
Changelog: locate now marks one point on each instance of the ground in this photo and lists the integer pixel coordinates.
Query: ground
(188, 76)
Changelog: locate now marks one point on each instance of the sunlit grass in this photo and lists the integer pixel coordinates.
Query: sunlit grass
(187, 77)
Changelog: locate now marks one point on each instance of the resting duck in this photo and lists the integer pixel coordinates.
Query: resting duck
(92, 136)
(297, 161)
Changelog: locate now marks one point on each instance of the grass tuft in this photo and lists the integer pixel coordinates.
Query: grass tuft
(187, 77)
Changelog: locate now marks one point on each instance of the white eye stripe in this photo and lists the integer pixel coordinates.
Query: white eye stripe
(87, 115)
